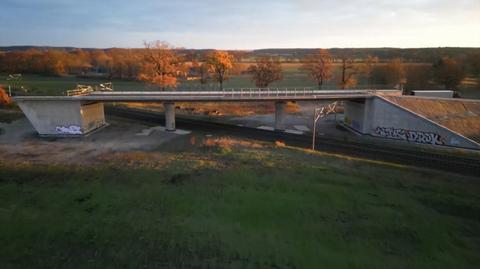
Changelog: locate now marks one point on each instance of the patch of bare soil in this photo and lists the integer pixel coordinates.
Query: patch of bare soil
(19, 143)
(118, 145)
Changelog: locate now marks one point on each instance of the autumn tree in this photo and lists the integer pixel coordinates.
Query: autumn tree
(160, 65)
(100, 60)
(418, 77)
(448, 72)
(202, 71)
(4, 98)
(79, 62)
(319, 67)
(265, 71)
(221, 62)
(348, 71)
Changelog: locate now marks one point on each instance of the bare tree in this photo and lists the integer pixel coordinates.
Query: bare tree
(265, 71)
(319, 67)
(348, 73)
(370, 64)
(202, 71)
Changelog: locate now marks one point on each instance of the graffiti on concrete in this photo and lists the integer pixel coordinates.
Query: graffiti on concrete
(69, 130)
(411, 136)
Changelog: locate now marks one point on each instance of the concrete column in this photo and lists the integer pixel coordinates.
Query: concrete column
(169, 116)
(280, 116)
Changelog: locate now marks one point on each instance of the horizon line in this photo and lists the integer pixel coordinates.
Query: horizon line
(238, 49)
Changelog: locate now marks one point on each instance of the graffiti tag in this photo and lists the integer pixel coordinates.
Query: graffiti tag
(70, 130)
(411, 136)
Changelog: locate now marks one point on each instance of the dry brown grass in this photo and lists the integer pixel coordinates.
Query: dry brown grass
(234, 109)
(219, 108)
(229, 143)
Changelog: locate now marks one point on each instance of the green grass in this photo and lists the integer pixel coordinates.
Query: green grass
(293, 77)
(41, 85)
(262, 208)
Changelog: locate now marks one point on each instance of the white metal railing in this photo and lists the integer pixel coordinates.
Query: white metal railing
(246, 93)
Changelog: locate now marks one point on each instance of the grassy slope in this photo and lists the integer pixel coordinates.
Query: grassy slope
(243, 208)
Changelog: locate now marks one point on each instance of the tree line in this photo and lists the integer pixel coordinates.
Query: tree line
(162, 65)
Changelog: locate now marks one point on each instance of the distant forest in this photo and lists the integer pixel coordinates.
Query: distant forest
(414, 55)
(165, 66)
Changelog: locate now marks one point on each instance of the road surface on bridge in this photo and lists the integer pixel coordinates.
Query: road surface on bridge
(226, 95)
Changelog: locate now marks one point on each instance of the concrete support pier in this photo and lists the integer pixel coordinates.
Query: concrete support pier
(280, 110)
(169, 116)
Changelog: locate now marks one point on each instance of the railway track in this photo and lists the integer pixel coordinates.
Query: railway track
(440, 161)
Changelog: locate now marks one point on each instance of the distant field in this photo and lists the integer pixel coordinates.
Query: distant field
(224, 206)
(293, 77)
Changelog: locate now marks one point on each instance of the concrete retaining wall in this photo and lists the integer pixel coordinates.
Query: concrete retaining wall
(381, 118)
(440, 94)
(63, 118)
(93, 116)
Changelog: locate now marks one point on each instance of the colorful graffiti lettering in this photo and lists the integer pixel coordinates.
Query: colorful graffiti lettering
(411, 136)
(70, 130)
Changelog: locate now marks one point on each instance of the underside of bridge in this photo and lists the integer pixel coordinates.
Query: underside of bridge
(79, 118)
(81, 114)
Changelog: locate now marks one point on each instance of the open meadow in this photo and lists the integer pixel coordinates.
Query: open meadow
(293, 76)
(229, 203)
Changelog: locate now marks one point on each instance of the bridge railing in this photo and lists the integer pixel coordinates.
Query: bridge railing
(272, 92)
(245, 93)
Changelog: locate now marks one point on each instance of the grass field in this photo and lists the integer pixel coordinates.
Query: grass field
(230, 206)
(293, 77)
(41, 85)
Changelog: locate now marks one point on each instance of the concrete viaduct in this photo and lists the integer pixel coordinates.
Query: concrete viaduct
(82, 114)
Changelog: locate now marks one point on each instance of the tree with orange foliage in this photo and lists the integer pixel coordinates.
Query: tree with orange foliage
(221, 63)
(319, 66)
(265, 71)
(161, 65)
(348, 71)
(4, 98)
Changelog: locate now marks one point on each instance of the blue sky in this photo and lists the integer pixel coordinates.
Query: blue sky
(243, 24)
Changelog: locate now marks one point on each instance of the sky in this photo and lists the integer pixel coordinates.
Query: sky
(241, 24)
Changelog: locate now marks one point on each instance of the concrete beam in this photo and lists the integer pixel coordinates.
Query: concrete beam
(280, 110)
(169, 116)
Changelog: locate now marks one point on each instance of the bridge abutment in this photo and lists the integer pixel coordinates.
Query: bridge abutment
(169, 116)
(63, 118)
(280, 110)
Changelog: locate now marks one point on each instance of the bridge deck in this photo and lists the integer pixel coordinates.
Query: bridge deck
(217, 96)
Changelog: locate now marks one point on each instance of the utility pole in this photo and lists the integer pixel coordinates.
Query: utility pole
(317, 112)
(320, 113)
